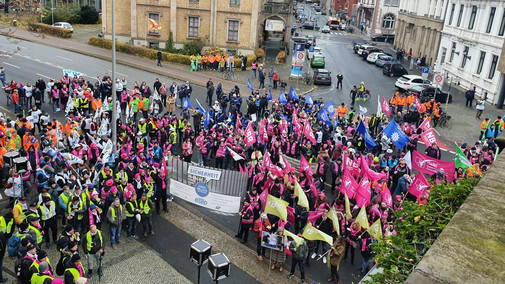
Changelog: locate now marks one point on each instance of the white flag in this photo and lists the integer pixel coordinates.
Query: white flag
(235, 155)
(408, 159)
(72, 159)
(362, 110)
(379, 106)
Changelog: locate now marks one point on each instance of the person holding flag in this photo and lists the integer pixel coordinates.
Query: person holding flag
(336, 255)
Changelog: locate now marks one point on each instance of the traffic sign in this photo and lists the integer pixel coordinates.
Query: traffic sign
(439, 80)
(426, 70)
(300, 56)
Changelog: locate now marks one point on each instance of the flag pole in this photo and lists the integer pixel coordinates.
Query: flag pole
(114, 96)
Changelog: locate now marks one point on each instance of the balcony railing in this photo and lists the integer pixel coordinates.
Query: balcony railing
(277, 7)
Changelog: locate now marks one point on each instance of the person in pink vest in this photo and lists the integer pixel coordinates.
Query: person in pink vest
(246, 220)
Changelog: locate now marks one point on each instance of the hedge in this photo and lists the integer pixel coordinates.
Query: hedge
(50, 30)
(152, 53)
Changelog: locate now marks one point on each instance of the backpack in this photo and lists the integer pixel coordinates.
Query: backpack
(302, 251)
(13, 245)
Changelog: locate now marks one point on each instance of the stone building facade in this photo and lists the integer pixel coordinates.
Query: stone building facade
(377, 16)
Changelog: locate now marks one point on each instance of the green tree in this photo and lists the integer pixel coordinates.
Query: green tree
(88, 15)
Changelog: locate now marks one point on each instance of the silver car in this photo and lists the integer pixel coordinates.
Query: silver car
(64, 25)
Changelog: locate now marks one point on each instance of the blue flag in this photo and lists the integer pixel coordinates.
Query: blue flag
(292, 95)
(323, 116)
(249, 85)
(282, 98)
(200, 108)
(187, 103)
(329, 108)
(396, 134)
(308, 100)
(269, 95)
(370, 143)
(207, 119)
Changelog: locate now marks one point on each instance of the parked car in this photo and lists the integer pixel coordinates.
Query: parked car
(317, 50)
(430, 92)
(385, 59)
(310, 41)
(363, 47)
(342, 26)
(317, 61)
(406, 82)
(372, 57)
(369, 51)
(64, 25)
(395, 69)
(323, 12)
(308, 25)
(322, 77)
(384, 38)
(325, 30)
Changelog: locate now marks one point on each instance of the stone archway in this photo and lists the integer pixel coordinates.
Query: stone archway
(275, 33)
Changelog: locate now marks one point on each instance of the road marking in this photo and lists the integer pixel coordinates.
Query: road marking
(12, 65)
(64, 58)
(44, 76)
(119, 73)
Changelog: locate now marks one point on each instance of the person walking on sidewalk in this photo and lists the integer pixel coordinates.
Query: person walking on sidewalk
(481, 105)
(470, 96)
(340, 77)
(93, 248)
(271, 77)
(261, 78)
(254, 66)
(115, 215)
(159, 56)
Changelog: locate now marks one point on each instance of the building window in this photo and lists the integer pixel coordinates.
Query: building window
(194, 1)
(394, 2)
(387, 2)
(153, 24)
(194, 22)
(444, 53)
(471, 24)
(460, 15)
(465, 56)
(234, 2)
(491, 20)
(388, 22)
(502, 25)
(492, 69)
(453, 50)
(233, 30)
(481, 62)
(452, 13)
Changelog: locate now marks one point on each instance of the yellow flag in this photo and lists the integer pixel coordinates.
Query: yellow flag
(295, 238)
(347, 207)
(332, 214)
(362, 218)
(376, 230)
(277, 207)
(302, 198)
(313, 234)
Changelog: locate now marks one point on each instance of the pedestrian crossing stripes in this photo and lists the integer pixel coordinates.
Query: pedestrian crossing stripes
(338, 33)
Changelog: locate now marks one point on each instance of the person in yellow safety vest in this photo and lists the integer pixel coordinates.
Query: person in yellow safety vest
(44, 276)
(63, 201)
(83, 197)
(115, 216)
(146, 206)
(84, 105)
(134, 106)
(75, 213)
(142, 127)
(6, 223)
(483, 127)
(19, 211)
(48, 215)
(145, 105)
(361, 90)
(132, 208)
(149, 187)
(36, 267)
(93, 248)
(35, 230)
(74, 271)
(198, 62)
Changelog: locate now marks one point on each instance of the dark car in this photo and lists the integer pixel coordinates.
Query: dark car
(431, 92)
(308, 25)
(322, 77)
(394, 70)
(368, 51)
(323, 12)
(384, 38)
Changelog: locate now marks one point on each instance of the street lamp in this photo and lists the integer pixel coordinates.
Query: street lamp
(114, 96)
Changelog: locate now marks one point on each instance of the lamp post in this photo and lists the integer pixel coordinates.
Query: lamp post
(114, 96)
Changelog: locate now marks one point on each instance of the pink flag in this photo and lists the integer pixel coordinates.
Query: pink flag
(291, 214)
(263, 131)
(417, 103)
(263, 198)
(305, 167)
(281, 223)
(296, 121)
(419, 186)
(386, 197)
(250, 136)
(366, 171)
(283, 125)
(239, 124)
(288, 167)
(348, 185)
(385, 106)
(429, 137)
(351, 166)
(429, 165)
(267, 162)
(314, 215)
(240, 168)
(363, 194)
(426, 125)
(307, 131)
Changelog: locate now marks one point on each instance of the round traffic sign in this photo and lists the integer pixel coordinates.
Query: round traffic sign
(439, 78)
(300, 55)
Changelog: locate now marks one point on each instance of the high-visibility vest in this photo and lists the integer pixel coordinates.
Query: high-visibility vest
(150, 189)
(36, 264)
(144, 206)
(142, 128)
(134, 104)
(48, 213)
(39, 279)
(22, 215)
(69, 209)
(5, 227)
(113, 212)
(37, 233)
(145, 105)
(89, 240)
(133, 206)
(75, 273)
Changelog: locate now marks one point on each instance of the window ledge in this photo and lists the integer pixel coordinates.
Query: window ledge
(155, 35)
(487, 80)
(192, 37)
(232, 41)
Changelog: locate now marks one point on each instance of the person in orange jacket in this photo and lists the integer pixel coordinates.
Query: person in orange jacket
(261, 225)
(342, 111)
